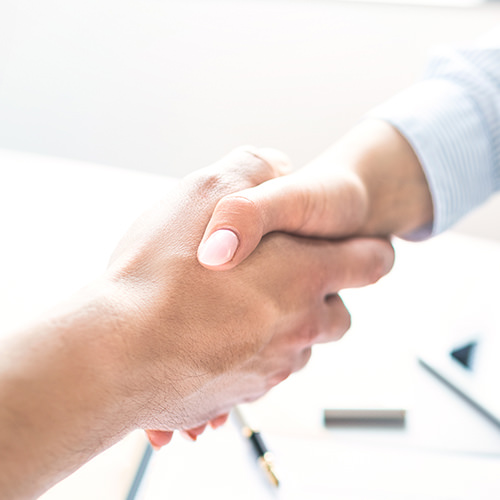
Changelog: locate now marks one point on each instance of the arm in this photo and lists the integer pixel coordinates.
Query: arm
(159, 342)
(60, 389)
(413, 168)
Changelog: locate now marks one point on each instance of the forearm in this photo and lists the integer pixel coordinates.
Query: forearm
(61, 401)
(396, 193)
(451, 118)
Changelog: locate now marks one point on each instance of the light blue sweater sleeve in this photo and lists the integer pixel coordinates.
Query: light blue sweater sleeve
(452, 121)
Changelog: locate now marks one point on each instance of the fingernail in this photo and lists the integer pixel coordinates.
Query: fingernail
(218, 421)
(187, 435)
(219, 248)
(158, 439)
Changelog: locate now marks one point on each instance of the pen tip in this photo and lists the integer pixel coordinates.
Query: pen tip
(273, 478)
(268, 468)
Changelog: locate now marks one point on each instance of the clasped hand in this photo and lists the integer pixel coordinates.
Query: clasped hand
(203, 340)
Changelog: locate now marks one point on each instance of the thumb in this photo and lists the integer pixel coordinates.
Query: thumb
(305, 203)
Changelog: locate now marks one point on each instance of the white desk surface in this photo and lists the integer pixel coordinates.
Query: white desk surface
(60, 222)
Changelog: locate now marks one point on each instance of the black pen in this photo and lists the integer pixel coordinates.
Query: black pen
(264, 456)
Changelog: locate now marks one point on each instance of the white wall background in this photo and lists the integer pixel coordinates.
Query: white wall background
(169, 86)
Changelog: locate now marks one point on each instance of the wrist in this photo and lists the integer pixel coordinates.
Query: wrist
(119, 335)
(397, 194)
(147, 356)
(62, 401)
(95, 327)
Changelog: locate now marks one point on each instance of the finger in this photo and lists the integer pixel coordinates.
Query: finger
(219, 421)
(335, 320)
(193, 433)
(242, 168)
(258, 164)
(295, 362)
(295, 203)
(280, 163)
(330, 322)
(159, 438)
(351, 263)
(303, 359)
(318, 268)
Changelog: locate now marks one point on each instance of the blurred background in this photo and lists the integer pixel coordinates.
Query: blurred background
(169, 86)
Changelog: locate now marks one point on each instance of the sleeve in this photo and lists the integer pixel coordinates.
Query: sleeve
(452, 120)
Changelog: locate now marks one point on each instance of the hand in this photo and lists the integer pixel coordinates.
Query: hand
(201, 342)
(369, 183)
(160, 342)
(161, 438)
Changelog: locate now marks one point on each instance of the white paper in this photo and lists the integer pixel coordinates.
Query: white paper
(220, 465)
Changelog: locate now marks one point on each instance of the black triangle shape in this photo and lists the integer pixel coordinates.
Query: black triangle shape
(465, 354)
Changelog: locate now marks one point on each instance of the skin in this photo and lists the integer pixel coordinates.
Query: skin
(160, 342)
(369, 183)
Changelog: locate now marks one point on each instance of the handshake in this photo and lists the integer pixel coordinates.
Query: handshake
(241, 271)
(214, 296)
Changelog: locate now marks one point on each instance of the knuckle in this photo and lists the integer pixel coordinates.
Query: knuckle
(245, 167)
(389, 255)
(312, 207)
(342, 326)
(240, 169)
(348, 321)
(279, 377)
(280, 162)
(305, 357)
(254, 164)
(307, 335)
(252, 398)
(341, 318)
(206, 181)
(382, 262)
(243, 211)
(374, 272)
(245, 148)
(237, 205)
